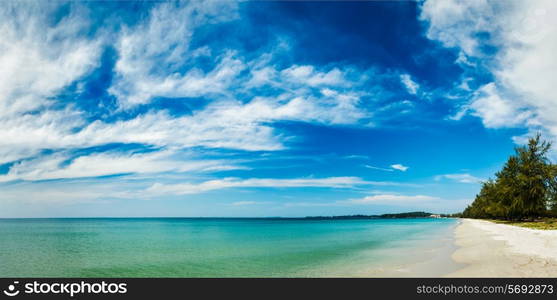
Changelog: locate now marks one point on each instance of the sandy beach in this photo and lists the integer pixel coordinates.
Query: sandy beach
(496, 250)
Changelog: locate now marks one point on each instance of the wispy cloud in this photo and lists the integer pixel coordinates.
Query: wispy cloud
(378, 168)
(411, 86)
(217, 184)
(63, 165)
(153, 54)
(154, 60)
(516, 44)
(79, 89)
(45, 63)
(38, 61)
(462, 178)
(400, 167)
(395, 167)
(495, 110)
(391, 199)
(355, 156)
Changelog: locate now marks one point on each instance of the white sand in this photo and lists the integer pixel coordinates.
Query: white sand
(497, 250)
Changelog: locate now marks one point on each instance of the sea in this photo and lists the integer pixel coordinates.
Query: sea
(226, 247)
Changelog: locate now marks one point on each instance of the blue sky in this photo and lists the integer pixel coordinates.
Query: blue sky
(222, 108)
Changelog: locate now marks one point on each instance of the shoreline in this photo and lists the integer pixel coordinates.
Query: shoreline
(427, 257)
(498, 250)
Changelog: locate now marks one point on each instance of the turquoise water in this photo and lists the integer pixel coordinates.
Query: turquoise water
(198, 247)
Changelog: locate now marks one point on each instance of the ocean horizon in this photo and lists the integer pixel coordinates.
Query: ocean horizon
(223, 247)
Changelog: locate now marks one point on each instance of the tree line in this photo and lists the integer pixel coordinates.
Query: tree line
(526, 187)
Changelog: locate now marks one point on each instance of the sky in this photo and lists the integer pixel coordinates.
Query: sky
(261, 109)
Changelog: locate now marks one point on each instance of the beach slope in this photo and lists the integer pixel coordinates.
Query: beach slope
(496, 250)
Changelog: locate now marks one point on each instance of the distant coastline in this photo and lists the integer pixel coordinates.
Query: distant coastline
(406, 215)
(415, 214)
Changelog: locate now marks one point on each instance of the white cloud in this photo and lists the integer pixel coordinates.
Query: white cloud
(356, 156)
(524, 34)
(392, 199)
(455, 23)
(462, 178)
(307, 75)
(496, 111)
(62, 166)
(400, 167)
(262, 76)
(222, 124)
(39, 59)
(392, 168)
(54, 57)
(217, 184)
(219, 126)
(411, 86)
(460, 113)
(402, 107)
(378, 168)
(145, 70)
(153, 54)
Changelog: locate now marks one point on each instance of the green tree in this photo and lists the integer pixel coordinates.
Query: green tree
(534, 178)
(526, 186)
(552, 192)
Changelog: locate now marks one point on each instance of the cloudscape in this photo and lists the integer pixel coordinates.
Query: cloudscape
(223, 108)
